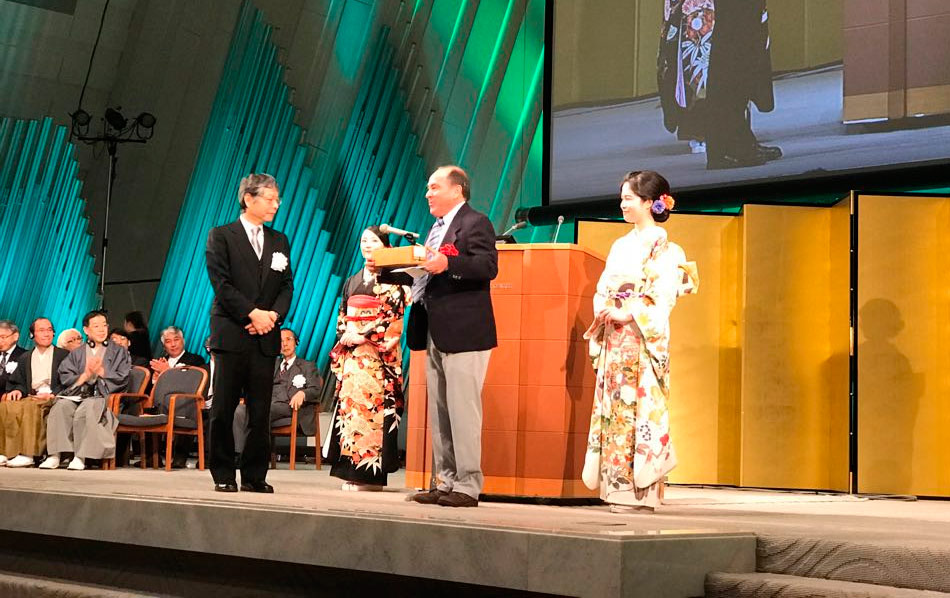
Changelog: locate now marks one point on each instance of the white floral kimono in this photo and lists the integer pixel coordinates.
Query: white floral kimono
(630, 426)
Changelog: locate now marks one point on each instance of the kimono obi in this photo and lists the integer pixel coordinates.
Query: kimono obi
(362, 308)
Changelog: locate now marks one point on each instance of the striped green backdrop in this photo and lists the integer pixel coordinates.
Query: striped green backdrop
(48, 265)
(432, 83)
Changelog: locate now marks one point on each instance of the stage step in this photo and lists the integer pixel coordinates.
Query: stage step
(774, 585)
(916, 566)
(25, 586)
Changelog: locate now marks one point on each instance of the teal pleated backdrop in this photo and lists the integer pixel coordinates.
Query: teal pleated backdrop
(483, 64)
(48, 269)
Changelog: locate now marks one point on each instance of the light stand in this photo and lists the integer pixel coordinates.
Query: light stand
(116, 130)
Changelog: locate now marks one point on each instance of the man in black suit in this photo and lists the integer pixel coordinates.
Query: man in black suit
(452, 319)
(249, 267)
(173, 339)
(297, 386)
(175, 356)
(32, 388)
(10, 351)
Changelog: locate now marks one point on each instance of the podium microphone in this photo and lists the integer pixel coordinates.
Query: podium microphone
(392, 230)
(560, 221)
(516, 226)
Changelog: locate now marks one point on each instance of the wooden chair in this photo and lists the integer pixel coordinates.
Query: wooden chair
(288, 427)
(138, 382)
(172, 388)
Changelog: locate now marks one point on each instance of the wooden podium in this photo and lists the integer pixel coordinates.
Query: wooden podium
(538, 392)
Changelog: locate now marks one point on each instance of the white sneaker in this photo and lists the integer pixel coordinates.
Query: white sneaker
(20, 461)
(51, 462)
(3, 460)
(76, 464)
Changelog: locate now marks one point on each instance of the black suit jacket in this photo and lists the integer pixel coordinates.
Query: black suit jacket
(311, 385)
(22, 378)
(5, 376)
(242, 283)
(188, 358)
(457, 311)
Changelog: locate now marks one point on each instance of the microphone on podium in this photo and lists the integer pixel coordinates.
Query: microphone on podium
(506, 237)
(560, 221)
(392, 230)
(514, 227)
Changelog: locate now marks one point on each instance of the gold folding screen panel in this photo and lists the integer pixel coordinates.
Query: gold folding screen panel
(903, 345)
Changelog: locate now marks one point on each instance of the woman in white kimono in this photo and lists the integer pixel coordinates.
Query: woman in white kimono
(629, 450)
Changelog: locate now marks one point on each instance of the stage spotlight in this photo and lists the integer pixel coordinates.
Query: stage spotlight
(115, 119)
(146, 119)
(80, 118)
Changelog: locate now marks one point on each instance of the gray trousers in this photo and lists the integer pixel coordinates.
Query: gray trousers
(454, 390)
(86, 428)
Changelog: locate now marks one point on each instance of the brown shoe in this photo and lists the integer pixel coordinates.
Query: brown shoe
(430, 497)
(457, 499)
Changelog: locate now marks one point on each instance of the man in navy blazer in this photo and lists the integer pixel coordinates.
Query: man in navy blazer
(453, 321)
(249, 267)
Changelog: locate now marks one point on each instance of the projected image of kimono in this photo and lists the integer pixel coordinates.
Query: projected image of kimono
(630, 422)
(683, 66)
(369, 394)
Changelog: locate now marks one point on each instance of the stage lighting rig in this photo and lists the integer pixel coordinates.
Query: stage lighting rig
(116, 129)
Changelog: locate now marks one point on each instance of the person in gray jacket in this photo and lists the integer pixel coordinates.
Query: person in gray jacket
(79, 421)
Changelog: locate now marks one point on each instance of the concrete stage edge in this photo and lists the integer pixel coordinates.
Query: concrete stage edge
(167, 533)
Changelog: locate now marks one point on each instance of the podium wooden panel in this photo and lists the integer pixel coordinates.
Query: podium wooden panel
(539, 387)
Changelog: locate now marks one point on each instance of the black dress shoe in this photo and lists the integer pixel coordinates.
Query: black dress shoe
(428, 498)
(458, 499)
(226, 487)
(263, 487)
(724, 161)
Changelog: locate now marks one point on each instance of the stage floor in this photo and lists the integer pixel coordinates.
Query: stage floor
(499, 544)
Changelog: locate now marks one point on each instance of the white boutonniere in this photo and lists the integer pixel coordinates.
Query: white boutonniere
(298, 381)
(278, 261)
(10, 367)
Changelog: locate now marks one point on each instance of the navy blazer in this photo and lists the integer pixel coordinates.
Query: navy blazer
(457, 310)
(241, 283)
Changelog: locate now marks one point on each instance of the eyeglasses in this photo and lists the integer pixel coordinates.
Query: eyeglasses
(4, 337)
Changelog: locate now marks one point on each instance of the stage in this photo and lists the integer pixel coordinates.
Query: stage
(168, 533)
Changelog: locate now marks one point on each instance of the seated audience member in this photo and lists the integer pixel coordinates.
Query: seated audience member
(175, 355)
(296, 386)
(10, 351)
(31, 390)
(121, 338)
(79, 421)
(139, 344)
(69, 339)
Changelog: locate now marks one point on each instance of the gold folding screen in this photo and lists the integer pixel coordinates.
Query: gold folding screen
(903, 350)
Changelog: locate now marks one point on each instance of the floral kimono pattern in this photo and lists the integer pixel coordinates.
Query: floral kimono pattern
(369, 394)
(630, 427)
(683, 63)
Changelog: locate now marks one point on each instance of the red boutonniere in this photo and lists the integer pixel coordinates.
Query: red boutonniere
(449, 250)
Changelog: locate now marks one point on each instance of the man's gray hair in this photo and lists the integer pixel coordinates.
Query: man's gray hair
(253, 183)
(171, 330)
(9, 325)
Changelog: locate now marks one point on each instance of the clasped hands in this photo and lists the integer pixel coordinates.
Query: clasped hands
(613, 314)
(262, 321)
(352, 339)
